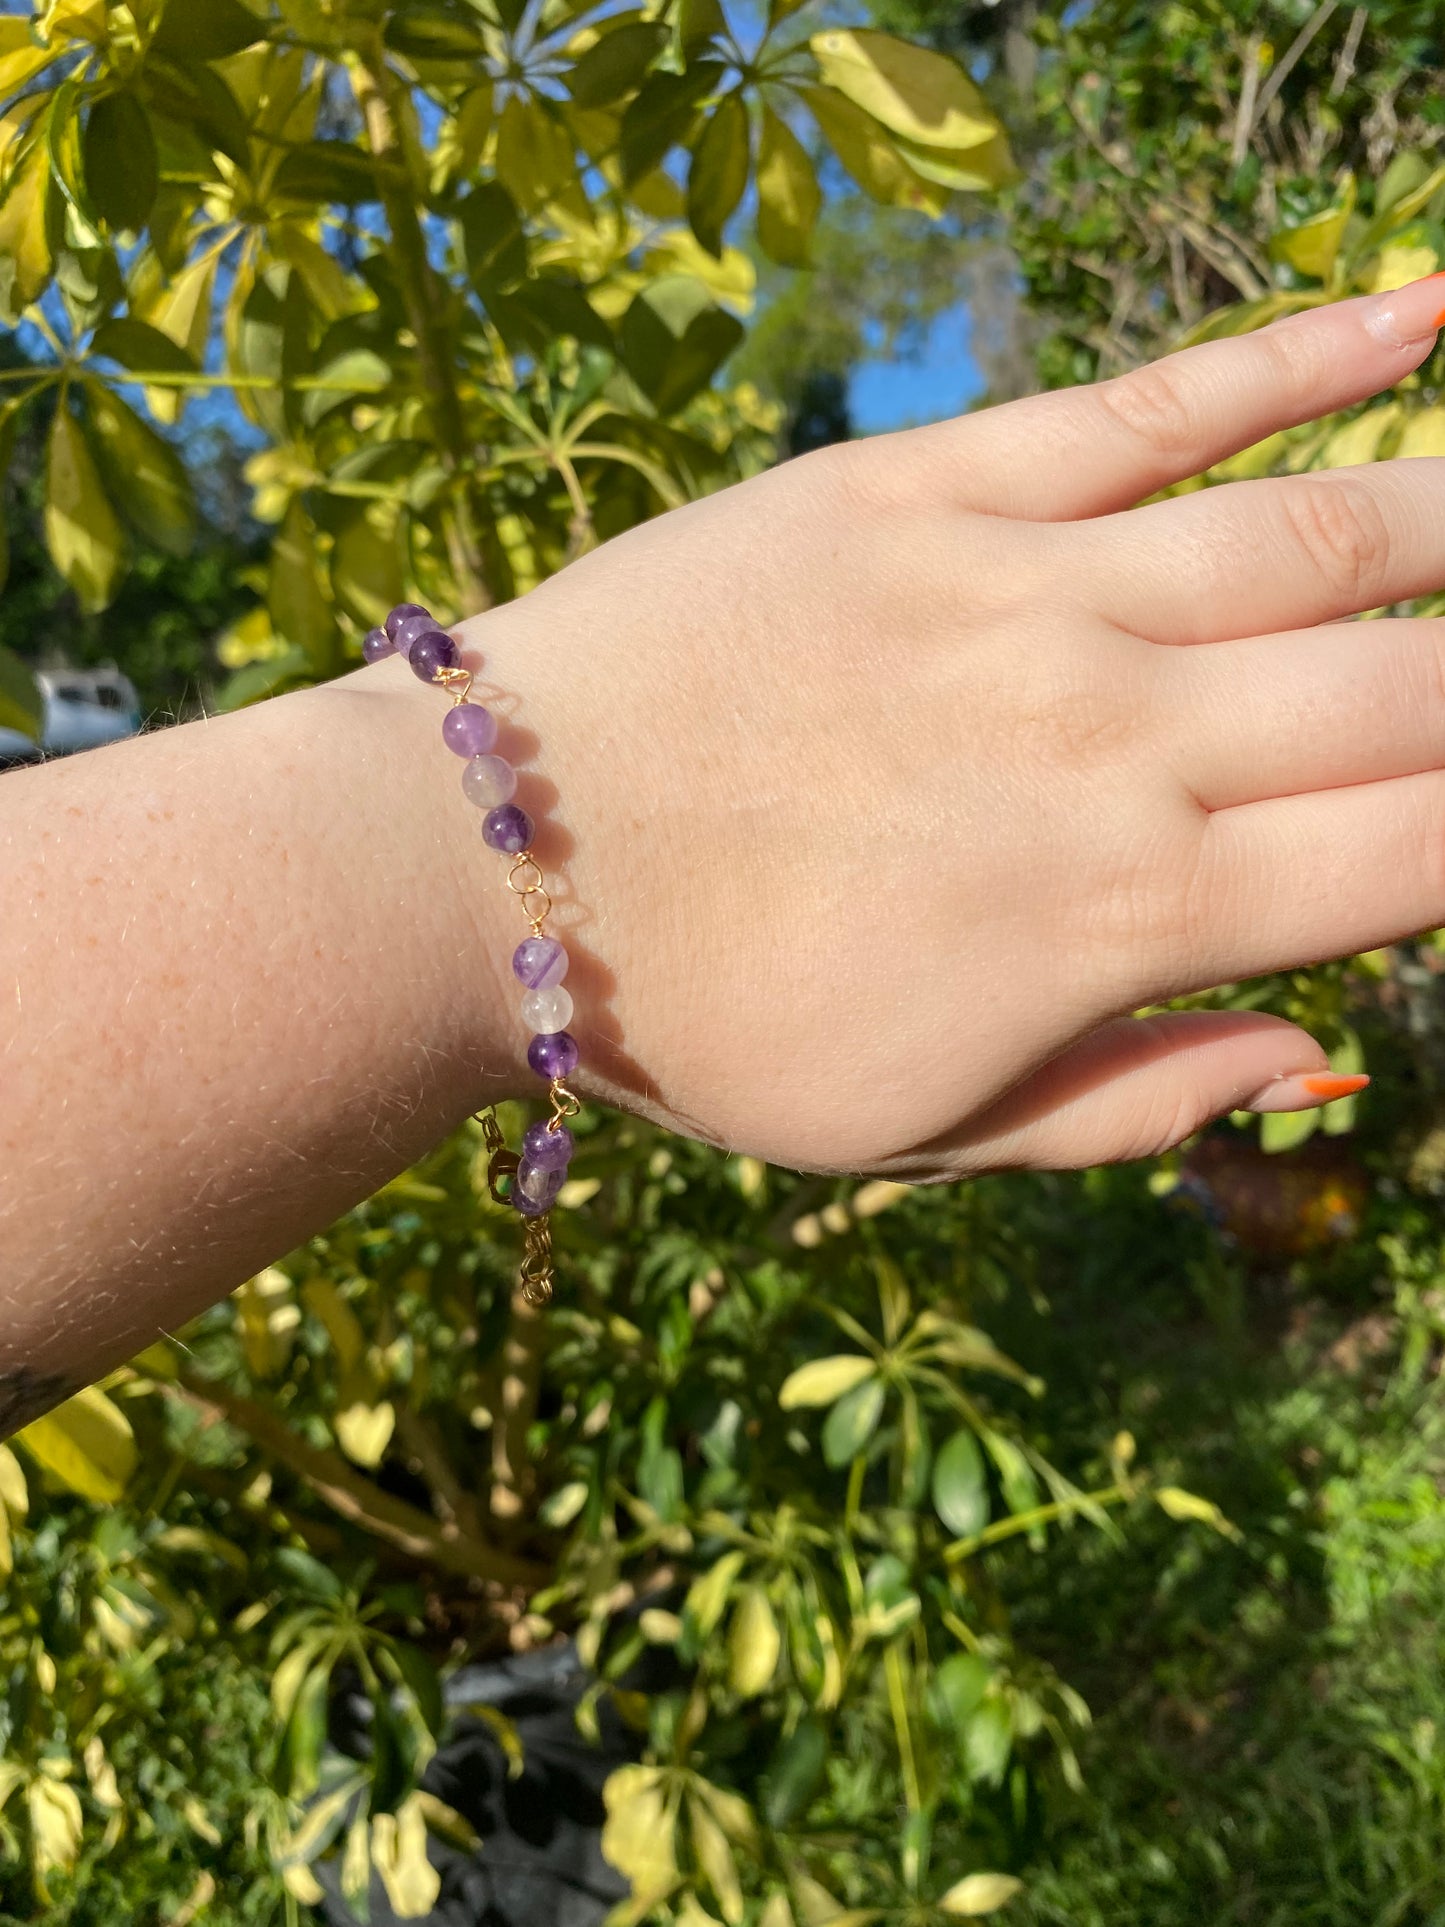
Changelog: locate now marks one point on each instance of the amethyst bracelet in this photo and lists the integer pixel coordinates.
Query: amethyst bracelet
(532, 1181)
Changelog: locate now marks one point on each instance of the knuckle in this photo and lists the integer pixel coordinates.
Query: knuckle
(1152, 404)
(1342, 533)
(843, 478)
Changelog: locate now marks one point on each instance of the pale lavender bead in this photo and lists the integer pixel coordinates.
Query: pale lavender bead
(539, 962)
(489, 781)
(537, 1183)
(409, 628)
(529, 1207)
(549, 1150)
(430, 651)
(508, 829)
(375, 644)
(556, 1056)
(547, 1010)
(470, 730)
(400, 613)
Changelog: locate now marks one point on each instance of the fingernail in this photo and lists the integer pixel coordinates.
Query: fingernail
(1303, 1091)
(1406, 315)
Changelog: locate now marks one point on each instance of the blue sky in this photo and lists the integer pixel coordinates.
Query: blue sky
(940, 381)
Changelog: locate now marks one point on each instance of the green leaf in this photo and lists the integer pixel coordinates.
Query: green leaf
(1189, 1506)
(698, 22)
(22, 705)
(754, 1644)
(853, 1421)
(86, 1444)
(674, 338)
(988, 1742)
(822, 1380)
(615, 63)
(206, 29)
(426, 32)
(795, 1774)
(119, 156)
(1283, 1130)
(958, 1689)
(423, 1682)
(960, 1486)
(980, 1893)
(25, 257)
(1313, 247)
(535, 158)
(197, 98)
(708, 1595)
(142, 349)
(143, 473)
(299, 608)
(496, 248)
(788, 193)
(331, 171)
(719, 171)
(661, 115)
(81, 529)
(366, 568)
(923, 96)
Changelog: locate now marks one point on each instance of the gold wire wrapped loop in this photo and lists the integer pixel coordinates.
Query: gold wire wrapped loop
(456, 681)
(565, 1104)
(536, 902)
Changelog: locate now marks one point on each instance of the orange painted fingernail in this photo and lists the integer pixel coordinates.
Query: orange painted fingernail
(1304, 1091)
(1326, 1085)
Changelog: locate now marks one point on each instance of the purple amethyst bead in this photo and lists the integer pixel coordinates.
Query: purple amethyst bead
(469, 730)
(433, 649)
(529, 1207)
(555, 1055)
(547, 1149)
(538, 1183)
(539, 962)
(399, 615)
(375, 644)
(409, 628)
(508, 829)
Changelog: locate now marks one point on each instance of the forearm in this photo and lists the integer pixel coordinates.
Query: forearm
(251, 967)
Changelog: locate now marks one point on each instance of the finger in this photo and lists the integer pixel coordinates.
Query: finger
(1298, 879)
(1141, 1085)
(1087, 451)
(1251, 557)
(1353, 702)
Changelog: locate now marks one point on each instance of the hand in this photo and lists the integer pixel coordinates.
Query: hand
(889, 783)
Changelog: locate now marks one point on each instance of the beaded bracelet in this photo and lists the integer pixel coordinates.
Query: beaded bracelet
(529, 1182)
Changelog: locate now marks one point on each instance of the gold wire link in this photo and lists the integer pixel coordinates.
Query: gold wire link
(535, 887)
(535, 1277)
(565, 1104)
(456, 681)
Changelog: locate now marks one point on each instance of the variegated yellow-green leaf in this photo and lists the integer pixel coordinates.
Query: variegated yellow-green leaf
(24, 245)
(86, 1444)
(268, 1318)
(715, 1857)
(180, 309)
(1180, 1504)
(963, 170)
(980, 1893)
(1313, 247)
(56, 1824)
(754, 1644)
(1409, 257)
(299, 607)
(1423, 433)
(364, 1431)
(22, 706)
(637, 1837)
(1359, 441)
(822, 1380)
(535, 160)
(870, 154)
(14, 1493)
(788, 193)
(144, 474)
(708, 1595)
(21, 55)
(923, 96)
(398, 1852)
(776, 1912)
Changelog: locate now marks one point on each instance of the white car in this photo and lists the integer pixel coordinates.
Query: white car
(83, 708)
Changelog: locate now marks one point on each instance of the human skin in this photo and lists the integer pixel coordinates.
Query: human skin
(875, 794)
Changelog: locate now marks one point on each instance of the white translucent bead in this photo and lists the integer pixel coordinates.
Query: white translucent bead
(547, 1010)
(489, 781)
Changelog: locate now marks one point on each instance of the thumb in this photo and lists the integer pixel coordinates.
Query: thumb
(1141, 1085)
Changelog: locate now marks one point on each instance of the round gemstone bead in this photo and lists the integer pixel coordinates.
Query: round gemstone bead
(375, 644)
(539, 962)
(539, 1183)
(547, 1010)
(400, 613)
(529, 1207)
(554, 1056)
(547, 1149)
(418, 623)
(489, 781)
(430, 651)
(470, 730)
(508, 829)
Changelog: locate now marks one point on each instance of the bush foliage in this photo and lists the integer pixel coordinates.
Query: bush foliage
(835, 1486)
